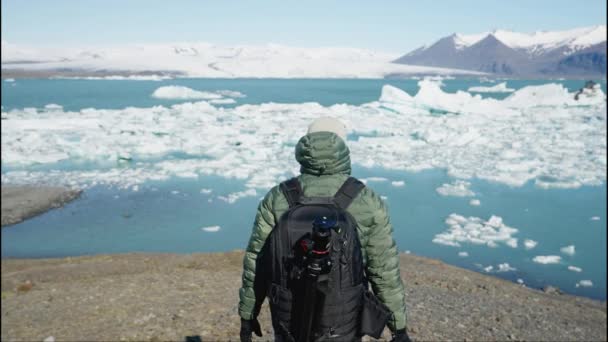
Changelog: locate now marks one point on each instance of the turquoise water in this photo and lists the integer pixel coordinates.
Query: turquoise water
(115, 94)
(168, 215)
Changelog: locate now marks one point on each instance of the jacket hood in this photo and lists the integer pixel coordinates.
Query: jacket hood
(323, 153)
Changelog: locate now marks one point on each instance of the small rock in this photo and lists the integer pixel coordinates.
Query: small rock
(551, 290)
(49, 339)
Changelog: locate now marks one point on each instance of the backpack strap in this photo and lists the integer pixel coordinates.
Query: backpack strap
(347, 192)
(292, 191)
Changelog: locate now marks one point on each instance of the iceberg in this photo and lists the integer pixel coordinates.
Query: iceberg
(499, 88)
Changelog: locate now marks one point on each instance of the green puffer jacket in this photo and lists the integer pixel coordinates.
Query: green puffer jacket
(325, 165)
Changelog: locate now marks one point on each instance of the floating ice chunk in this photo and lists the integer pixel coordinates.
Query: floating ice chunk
(235, 196)
(394, 95)
(384, 198)
(9, 80)
(373, 179)
(584, 283)
(135, 188)
(183, 93)
(475, 202)
(575, 269)
(457, 188)
(520, 281)
(505, 267)
(211, 229)
(230, 93)
(222, 101)
(595, 218)
(476, 231)
(529, 244)
(547, 259)
(53, 107)
(569, 250)
(174, 192)
(488, 269)
(397, 183)
(463, 254)
(206, 191)
(499, 88)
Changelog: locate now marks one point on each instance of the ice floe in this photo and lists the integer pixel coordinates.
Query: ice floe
(463, 254)
(206, 191)
(183, 93)
(569, 250)
(547, 259)
(235, 196)
(555, 142)
(476, 231)
(398, 184)
(584, 283)
(575, 269)
(457, 188)
(499, 88)
(595, 218)
(211, 229)
(475, 202)
(529, 244)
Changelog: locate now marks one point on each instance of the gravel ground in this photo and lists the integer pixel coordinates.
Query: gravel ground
(22, 202)
(159, 297)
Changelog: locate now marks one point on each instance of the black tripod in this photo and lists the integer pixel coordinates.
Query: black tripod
(317, 260)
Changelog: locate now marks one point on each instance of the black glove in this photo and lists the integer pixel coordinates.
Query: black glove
(249, 326)
(401, 336)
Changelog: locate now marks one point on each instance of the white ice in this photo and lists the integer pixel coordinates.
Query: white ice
(475, 202)
(183, 93)
(569, 250)
(463, 254)
(458, 188)
(476, 231)
(529, 244)
(547, 259)
(398, 184)
(211, 229)
(575, 269)
(595, 218)
(499, 88)
(584, 283)
(555, 143)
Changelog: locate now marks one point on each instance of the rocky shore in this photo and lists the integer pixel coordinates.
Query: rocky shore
(22, 202)
(160, 297)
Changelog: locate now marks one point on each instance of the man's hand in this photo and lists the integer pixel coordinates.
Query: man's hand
(401, 336)
(249, 326)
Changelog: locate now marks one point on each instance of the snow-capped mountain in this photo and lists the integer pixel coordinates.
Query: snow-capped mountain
(207, 60)
(580, 51)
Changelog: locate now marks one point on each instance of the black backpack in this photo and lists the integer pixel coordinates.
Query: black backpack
(294, 252)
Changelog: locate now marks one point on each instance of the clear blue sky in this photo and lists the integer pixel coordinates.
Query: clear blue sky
(394, 26)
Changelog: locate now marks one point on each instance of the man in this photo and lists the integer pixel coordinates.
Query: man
(325, 166)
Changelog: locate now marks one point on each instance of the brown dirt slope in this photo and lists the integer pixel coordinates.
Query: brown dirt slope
(158, 297)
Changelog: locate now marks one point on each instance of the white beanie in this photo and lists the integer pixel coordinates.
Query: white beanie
(328, 124)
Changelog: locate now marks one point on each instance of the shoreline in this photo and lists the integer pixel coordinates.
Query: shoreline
(21, 202)
(143, 296)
